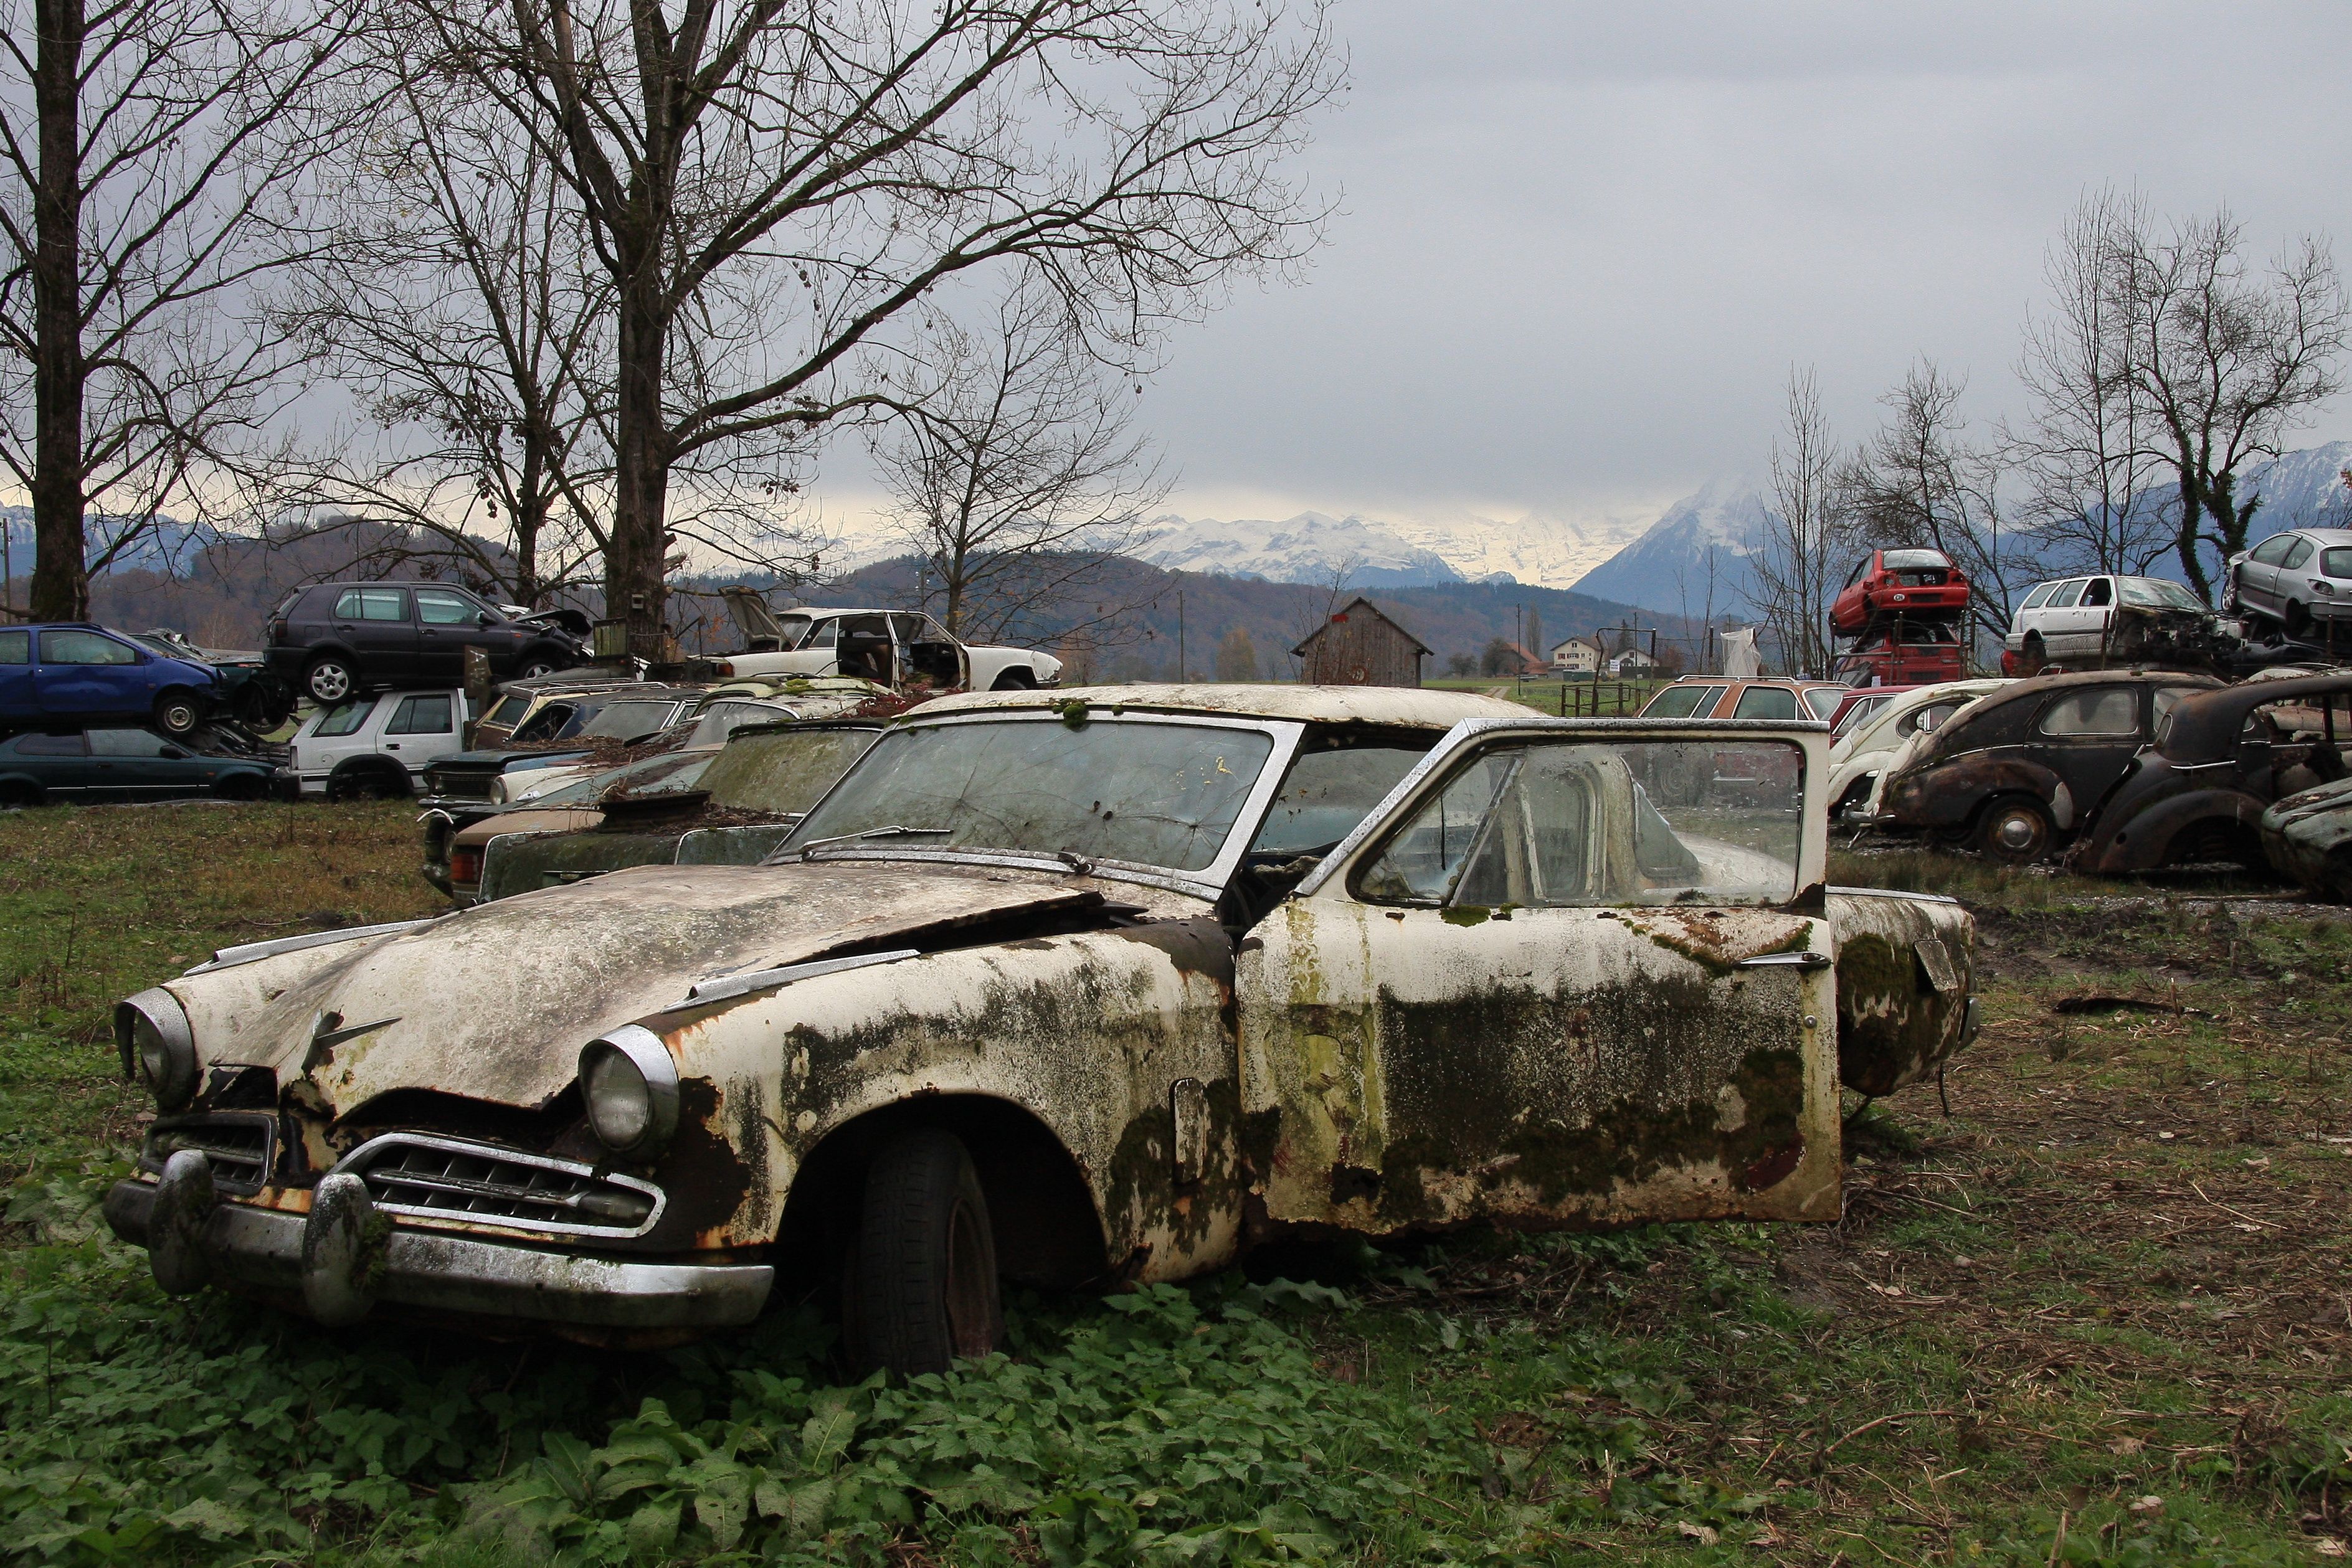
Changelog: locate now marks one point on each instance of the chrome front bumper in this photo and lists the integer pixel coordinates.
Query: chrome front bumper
(343, 1258)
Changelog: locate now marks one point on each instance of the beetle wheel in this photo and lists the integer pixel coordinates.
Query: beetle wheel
(2014, 830)
(924, 1290)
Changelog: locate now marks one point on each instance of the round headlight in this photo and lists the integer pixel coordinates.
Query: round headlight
(631, 1086)
(157, 1048)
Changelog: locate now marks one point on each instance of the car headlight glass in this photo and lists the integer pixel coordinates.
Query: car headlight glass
(630, 1084)
(157, 1046)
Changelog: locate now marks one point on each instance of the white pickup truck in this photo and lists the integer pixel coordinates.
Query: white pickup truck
(893, 647)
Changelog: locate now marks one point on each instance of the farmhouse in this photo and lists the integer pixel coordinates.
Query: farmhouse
(1578, 656)
(1358, 646)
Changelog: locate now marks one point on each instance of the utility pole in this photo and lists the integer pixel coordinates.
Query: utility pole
(1180, 676)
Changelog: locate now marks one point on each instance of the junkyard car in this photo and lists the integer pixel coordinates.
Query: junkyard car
(2307, 838)
(2084, 622)
(375, 747)
(1860, 755)
(573, 805)
(75, 673)
(2301, 579)
(562, 728)
(2017, 771)
(120, 765)
(1901, 582)
(1100, 987)
(2220, 761)
(247, 690)
(896, 648)
(337, 639)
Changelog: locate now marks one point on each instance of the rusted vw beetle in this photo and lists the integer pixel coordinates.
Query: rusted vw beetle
(1082, 987)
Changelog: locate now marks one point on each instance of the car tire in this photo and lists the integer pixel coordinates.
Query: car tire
(1015, 680)
(923, 1291)
(2035, 653)
(388, 782)
(242, 787)
(2014, 830)
(330, 679)
(18, 794)
(178, 713)
(539, 662)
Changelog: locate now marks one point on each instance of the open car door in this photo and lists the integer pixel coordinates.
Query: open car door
(1530, 989)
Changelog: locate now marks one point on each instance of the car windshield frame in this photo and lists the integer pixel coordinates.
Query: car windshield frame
(1208, 882)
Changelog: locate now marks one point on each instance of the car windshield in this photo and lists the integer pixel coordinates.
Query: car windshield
(783, 772)
(1328, 791)
(796, 630)
(617, 721)
(1852, 717)
(2155, 593)
(1148, 792)
(651, 776)
(509, 710)
(722, 719)
(345, 718)
(1915, 560)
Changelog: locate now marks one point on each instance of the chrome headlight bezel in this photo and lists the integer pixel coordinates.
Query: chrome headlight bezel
(165, 1060)
(638, 1054)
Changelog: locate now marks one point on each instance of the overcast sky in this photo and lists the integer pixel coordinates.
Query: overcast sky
(1580, 245)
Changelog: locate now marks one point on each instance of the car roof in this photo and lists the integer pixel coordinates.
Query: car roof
(1416, 707)
(2208, 724)
(2323, 536)
(2033, 686)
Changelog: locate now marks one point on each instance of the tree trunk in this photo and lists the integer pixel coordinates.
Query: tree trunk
(60, 587)
(634, 590)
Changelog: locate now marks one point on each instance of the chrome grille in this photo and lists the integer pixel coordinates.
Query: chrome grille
(445, 1178)
(239, 1147)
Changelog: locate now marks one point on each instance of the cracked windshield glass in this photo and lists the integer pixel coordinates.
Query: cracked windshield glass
(1148, 793)
(1638, 822)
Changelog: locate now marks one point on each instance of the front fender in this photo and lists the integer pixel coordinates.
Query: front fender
(1947, 795)
(1086, 1033)
(1905, 972)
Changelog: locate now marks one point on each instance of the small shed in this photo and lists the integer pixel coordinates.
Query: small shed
(1358, 646)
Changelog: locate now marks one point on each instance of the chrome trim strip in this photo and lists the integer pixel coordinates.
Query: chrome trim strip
(1891, 893)
(358, 1163)
(251, 952)
(718, 988)
(441, 1272)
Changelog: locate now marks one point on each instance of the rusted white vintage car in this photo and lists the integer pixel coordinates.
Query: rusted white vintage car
(1077, 988)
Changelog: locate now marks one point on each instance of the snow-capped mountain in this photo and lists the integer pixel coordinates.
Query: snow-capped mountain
(2303, 490)
(1548, 550)
(1695, 555)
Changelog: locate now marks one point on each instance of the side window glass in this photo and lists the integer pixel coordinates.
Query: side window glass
(347, 607)
(2270, 550)
(426, 714)
(827, 633)
(1422, 862)
(2166, 698)
(2039, 597)
(1765, 702)
(2066, 594)
(2106, 711)
(71, 647)
(438, 607)
(1823, 700)
(1682, 702)
(2097, 591)
(384, 604)
(15, 647)
(52, 746)
(2297, 555)
(125, 743)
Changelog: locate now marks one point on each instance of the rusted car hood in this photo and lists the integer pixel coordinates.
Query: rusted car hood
(494, 1002)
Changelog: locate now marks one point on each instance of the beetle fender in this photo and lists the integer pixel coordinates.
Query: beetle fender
(2152, 837)
(1949, 795)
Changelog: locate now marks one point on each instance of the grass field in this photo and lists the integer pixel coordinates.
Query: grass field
(2098, 1314)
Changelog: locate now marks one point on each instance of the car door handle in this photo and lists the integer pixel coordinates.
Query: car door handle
(392, 746)
(1785, 961)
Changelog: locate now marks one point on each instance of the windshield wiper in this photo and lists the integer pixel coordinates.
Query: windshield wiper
(892, 832)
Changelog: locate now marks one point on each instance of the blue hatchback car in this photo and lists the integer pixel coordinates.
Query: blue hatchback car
(79, 675)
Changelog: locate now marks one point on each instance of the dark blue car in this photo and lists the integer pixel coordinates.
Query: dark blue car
(53, 676)
(44, 767)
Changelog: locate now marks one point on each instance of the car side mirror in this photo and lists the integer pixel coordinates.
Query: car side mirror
(485, 619)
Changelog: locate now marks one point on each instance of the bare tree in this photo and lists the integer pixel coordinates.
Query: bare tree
(2173, 357)
(148, 160)
(2086, 454)
(1920, 480)
(1016, 475)
(775, 189)
(460, 303)
(1805, 533)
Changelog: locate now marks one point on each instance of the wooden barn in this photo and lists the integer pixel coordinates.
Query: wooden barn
(1360, 647)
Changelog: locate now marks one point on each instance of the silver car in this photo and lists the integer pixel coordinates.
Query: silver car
(2299, 578)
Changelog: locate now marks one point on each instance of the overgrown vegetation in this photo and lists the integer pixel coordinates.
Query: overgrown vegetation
(2097, 1316)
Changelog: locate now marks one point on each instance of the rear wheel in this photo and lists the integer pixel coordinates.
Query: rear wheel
(16, 793)
(177, 713)
(387, 781)
(536, 662)
(2014, 830)
(922, 1290)
(2036, 653)
(241, 787)
(330, 679)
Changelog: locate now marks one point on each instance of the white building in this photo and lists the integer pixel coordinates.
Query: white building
(1578, 656)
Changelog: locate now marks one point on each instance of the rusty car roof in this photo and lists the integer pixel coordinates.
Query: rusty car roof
(2207, 724)
(1410, 706)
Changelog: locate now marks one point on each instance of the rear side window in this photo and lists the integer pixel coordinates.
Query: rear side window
(52, 746)
(2039, 597)
(1765, 702)
(126, 743)
(15, 647)
(2107, 710)
(71, 647)
(1823, 700)
(1929, 717)
(424, 713)
(2064, 595)
(373, 604)
(1682, 702)
(344, 720)
(2297, 555)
